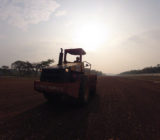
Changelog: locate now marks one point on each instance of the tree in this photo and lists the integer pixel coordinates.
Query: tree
(28, 67)
(158, 65)
(4, 70)
(25, 67)
(22, 67)
(46, 63)
(43, 64)
(5, 67)
(37, 67)
(18, 65)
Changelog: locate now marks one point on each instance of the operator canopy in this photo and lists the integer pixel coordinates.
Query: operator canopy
(77, 51)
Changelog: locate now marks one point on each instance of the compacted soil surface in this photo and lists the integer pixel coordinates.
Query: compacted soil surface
(124, 108)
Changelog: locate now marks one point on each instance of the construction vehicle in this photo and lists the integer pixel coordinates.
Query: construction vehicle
(68, 79)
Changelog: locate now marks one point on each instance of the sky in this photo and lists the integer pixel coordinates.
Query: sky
(118, 35)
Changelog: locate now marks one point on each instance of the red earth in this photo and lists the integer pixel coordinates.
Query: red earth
(125, 108)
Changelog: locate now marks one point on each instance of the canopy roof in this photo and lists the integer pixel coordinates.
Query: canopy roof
(77, 51)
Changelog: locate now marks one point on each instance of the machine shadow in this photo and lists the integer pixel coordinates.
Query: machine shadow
(54, 121)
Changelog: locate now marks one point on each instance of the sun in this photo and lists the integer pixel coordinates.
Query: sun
(90, 36)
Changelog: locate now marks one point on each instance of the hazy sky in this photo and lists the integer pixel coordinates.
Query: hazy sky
(118, 35)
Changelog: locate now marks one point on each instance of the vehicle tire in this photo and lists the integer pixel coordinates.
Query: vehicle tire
(50, 97)
(94, 87)
(84, 91)
(93, 91)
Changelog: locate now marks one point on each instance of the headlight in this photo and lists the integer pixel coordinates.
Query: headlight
(66, 70)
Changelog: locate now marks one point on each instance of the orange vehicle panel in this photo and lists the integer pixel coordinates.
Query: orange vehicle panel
(71, 89)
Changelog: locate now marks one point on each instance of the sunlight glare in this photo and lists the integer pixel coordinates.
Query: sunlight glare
(91, 36)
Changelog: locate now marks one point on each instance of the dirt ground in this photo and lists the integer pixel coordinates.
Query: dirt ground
(125, 108)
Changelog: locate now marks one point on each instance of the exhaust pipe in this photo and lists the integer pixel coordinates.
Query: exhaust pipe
(60, 57)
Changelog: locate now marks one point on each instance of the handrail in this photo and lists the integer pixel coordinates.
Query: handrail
(88, 64)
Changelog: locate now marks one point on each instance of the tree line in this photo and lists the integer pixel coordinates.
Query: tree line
(24, 68)
(98, 73)
(146, 70)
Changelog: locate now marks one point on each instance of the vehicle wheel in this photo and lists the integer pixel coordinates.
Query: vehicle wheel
(84, 91)
(86, 95)
(93, 88)
(51, 98)
(93, 91)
